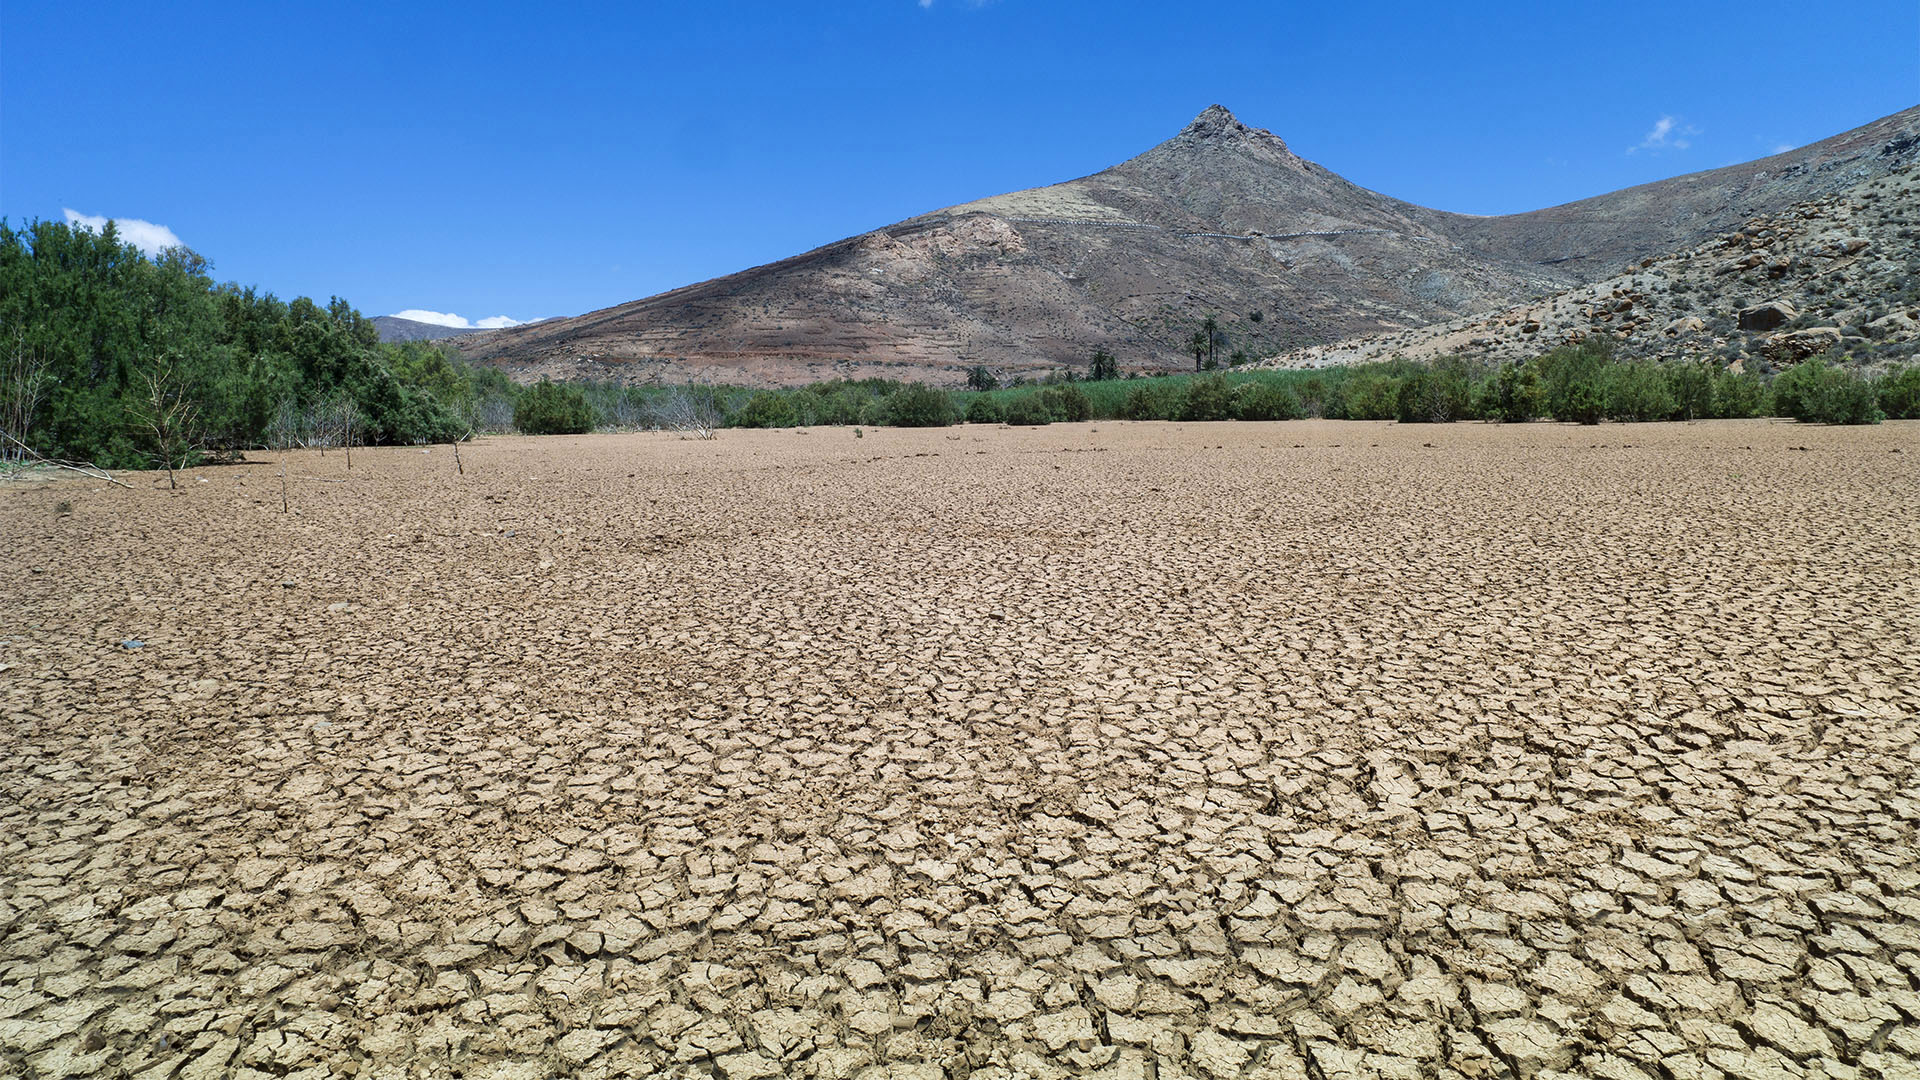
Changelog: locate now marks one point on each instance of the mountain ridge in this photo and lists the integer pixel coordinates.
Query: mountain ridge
(1221, 219)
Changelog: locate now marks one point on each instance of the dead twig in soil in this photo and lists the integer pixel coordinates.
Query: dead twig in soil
(84, 468)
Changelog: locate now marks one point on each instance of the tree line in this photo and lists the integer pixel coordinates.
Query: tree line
(128, 361)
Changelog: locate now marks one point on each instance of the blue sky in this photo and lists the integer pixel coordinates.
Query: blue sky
(532, 160)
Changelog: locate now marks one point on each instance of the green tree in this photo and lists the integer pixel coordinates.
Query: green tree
(1067, 403)
(1028, 410)
(766, 409)
(979, 378)
(1103, 367)
(1513, 395)
(549, 408)
(1820, 391)
(982, 410)
(1899, 393)
(920, 406)
(1208, 398)
(1263, 400)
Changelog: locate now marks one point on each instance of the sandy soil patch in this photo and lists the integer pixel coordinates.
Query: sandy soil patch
(1234, 750)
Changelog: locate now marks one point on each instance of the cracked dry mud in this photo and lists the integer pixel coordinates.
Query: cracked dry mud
(1313, 749)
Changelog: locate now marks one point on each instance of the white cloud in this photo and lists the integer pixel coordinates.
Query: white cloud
(458, 322)
(144, 235)
(1668, 133)
(1781, 148)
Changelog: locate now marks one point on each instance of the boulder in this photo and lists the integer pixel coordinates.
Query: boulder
(1690, 324)
(1796, 345)
(1897, 323)
(1767, 316)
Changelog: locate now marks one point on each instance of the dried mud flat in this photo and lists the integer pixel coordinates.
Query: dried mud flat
(1330, 750)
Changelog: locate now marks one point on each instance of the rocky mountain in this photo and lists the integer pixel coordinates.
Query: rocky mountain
(1222, 219)
(1842, 270)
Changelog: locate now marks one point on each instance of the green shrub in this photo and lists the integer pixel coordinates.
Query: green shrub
(1739, 395)
(1313, 395)
(1155, 401)
(1266, 401)
(1513, 395)
(1582, 402)
(1067, 404)
(1207, 399)
(920, 406)
(1027, 410)
(1636, 392)
(549, 408)
(1899, 393)
(1690, 384)
(766, 410)
(1819, 391)
(1573, 380)
(1439, 394)
(1368, 397)
(982, 410)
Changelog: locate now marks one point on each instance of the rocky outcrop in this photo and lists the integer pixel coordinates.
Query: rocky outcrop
(1794, 346)
(1845, 261)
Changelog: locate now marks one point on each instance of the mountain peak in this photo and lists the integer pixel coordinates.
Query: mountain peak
(1217, 121)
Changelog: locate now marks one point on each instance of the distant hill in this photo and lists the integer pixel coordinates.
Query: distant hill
(1222, 219)
(393, 328)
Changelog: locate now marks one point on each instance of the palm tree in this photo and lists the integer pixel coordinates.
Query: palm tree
(1198, 343)
(1212, 329)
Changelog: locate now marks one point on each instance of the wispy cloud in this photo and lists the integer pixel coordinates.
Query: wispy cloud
(1668, 133)
(145, 235)
(1781, 148)
(458, 322)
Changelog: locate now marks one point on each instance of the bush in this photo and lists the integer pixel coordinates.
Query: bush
(1637, 392)
(1313, 396)
(1691, 387)
(1207, 399)
(1737, 396)
(1582, 402)
(982, 410)
(1154, 401)
(1899, 394)
(1367, 397)
(1438, 396)
(1028, 411)
(1819, 391)
(1266, 401)
(766, 410)
(1572, 377)
(1512, 396)
(548, 408)
(1067, 404)
(920, 406)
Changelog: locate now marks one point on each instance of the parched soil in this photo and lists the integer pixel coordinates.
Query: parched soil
(1307, 749)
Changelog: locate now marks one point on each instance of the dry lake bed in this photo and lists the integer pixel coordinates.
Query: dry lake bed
(1179, 750)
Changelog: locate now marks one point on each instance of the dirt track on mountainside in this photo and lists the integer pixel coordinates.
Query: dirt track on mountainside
(1218, 750)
